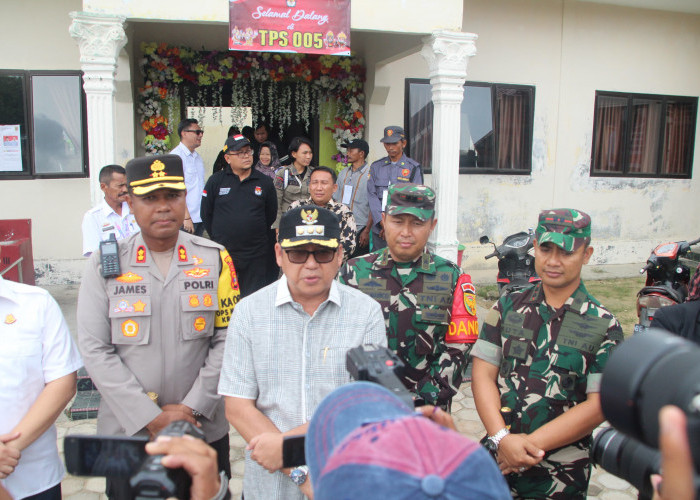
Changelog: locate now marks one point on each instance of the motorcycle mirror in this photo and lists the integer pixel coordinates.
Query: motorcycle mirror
(484, 239)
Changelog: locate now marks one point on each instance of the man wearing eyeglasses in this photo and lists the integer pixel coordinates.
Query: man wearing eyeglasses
(416, 290)
(190, 139)
(286, 348)
(239, 204)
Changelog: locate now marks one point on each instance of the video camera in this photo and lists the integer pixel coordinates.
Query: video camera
(368, 362)
(645, 373)
(126, 457)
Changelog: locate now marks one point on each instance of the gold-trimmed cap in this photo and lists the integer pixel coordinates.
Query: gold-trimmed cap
(309, 224)
(148, 173)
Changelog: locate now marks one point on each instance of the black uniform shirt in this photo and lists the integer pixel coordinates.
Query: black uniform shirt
(238, 214)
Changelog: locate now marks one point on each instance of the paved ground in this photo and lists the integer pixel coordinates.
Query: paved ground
(603, 486)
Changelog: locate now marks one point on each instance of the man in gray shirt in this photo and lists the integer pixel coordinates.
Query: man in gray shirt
(352, 191)
(286, 349)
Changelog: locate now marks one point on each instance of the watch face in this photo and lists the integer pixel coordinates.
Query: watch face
(298, 476)
(491, 446)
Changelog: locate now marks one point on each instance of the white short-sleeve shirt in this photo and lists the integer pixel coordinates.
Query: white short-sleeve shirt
(101, 221)
(36, 349)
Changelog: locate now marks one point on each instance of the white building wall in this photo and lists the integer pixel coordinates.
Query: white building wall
(417, 16)
(568, 50)
(55, 206)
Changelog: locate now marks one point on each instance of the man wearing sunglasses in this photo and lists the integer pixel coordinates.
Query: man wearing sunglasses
(239, 204)
(286, 348)
(190, 139)
(415, 289)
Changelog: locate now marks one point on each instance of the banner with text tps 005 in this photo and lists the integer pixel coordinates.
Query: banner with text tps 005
(304, 26)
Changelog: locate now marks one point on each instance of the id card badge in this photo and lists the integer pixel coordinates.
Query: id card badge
(385, 196)
(286, 178)
(347, 194)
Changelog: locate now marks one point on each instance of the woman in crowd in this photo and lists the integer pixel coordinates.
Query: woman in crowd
(292, 181)
(269, 161)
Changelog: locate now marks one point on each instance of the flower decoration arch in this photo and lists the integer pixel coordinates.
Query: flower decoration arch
(279, 88)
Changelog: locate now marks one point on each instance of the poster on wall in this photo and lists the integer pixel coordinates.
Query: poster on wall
(303, 26)
(10, 149)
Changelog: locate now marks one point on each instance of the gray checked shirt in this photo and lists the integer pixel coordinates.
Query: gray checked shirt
(289, 361)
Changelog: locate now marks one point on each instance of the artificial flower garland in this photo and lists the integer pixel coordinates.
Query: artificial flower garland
(308, 80)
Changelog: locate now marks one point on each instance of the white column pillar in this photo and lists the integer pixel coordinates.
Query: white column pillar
(447, 54)
(100, 38)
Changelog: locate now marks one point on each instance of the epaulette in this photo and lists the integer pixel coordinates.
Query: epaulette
(203, 242)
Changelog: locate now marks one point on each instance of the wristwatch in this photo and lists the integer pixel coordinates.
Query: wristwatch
(299, 475)
(493, 441)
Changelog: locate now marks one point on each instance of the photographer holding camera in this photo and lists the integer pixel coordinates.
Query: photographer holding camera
(538, 365)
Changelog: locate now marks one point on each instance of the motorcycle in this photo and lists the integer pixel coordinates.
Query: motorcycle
(516, 264)
(666, 283)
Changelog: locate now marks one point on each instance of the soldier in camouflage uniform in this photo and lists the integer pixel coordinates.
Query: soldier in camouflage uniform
(322, 185)
(415, 289)
(538, 365)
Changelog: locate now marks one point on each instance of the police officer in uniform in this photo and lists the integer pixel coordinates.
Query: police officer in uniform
(152, 338)
(415, 289)
(392, 169)
(538, 365)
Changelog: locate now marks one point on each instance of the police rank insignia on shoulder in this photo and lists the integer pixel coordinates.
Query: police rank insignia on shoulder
(182, 253)
(141, 254)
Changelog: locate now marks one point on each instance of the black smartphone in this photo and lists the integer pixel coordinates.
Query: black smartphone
(293, 451)
(114, 456)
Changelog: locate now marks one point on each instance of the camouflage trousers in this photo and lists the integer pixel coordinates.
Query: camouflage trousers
(562, 475)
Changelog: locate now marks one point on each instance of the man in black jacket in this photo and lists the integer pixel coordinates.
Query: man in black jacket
(239, 204)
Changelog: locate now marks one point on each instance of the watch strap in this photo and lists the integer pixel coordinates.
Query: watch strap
(223, 493)
(496, 438)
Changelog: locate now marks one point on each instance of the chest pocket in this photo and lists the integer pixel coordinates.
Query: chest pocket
(198, 302)
(130, 316)
(575, 348)
(516, 345)
(20, 363)
(377, 289)
(434, 303)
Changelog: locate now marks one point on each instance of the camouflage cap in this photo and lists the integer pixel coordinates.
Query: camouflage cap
(413, 199)
(565, 227)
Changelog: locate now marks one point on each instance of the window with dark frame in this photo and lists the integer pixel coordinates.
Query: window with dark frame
(495, 129)
(641, 135)
(49, 108)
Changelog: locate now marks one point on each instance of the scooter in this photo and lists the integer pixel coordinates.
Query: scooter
(516, 264)
(666, 283)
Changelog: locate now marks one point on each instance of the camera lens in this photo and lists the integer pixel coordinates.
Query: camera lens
(645, 373)
(626, 458)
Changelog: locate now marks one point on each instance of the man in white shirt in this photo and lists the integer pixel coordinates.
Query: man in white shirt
(190, 139)
(38, 364)
(112, 215)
